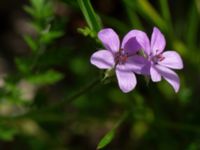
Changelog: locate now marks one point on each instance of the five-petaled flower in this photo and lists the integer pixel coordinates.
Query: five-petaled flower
(159, 63)
(122, 58)
(126, 61)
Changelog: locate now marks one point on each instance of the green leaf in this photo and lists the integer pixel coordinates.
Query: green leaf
(91, 17)
(86, 32)
(29, 10)
(31, 43)
(6, 133)
(145, 8)
(132, 16)
(148, 10)
(40, 10)
(165, 10)
(23, 65)
(193, 26)
(48, 37)
(111, 134)
(35, 8)
(106, 139)
(48, 77)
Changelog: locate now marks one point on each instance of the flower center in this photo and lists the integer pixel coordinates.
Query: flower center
(157, 58)
(121, 57)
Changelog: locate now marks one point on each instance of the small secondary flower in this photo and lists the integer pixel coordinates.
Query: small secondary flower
(123, 58)
(159, 64)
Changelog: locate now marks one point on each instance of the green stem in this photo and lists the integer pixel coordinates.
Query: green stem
(122, 119)
(71, 98)
(41, 50)
(79, 93)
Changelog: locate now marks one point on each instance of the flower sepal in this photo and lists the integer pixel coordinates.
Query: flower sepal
(108, 75)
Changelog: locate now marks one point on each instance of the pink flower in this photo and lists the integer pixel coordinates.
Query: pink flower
(159, 64)
(121, 58)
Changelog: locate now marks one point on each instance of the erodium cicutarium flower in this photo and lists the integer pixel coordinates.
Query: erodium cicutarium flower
(122, 58)
(159, 64)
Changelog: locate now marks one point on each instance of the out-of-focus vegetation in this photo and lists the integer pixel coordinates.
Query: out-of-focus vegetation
(51, 96)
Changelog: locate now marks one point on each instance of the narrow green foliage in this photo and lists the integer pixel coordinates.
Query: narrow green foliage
(111, 134)
(41, 13)
(192, 27)
(165, 11)
(11, 93)
(30, 42)
(145, 9)
(48, 77)
(39, 9)
(6, 133)
(106, 139)
(48, 37)
(91, 17)
(132, 16)
(197, 2)
(23, 65)
(87, 32)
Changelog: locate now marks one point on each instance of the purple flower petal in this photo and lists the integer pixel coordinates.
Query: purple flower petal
(157, 41)
(155, 75)
(102, 59)
(146, 68)
(135, 63)
(141, 37)
(170, 76)
(110, 39)
(172, 60)
(126, 79)
(131, 46)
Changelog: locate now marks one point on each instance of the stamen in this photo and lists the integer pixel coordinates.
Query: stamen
(160, 57)
(157, 58)
(121, 57)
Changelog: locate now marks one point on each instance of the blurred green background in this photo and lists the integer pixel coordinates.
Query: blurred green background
(51, 96)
